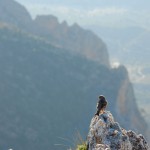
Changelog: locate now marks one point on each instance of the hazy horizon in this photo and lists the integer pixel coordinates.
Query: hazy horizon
(103, 13)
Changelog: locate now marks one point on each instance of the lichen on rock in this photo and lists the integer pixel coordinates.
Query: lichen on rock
(106, 134)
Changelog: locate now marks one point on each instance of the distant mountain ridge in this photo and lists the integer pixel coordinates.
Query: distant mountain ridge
(73, 38)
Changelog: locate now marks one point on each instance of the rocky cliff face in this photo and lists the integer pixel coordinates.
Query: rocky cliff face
(73, 38)
(126, 109)
(126, 105)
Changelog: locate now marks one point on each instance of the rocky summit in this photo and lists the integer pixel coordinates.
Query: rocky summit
(106, 134)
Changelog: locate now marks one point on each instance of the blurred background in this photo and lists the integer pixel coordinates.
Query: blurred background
(57, 57)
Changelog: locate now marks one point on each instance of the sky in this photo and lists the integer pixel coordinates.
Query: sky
(104, 13)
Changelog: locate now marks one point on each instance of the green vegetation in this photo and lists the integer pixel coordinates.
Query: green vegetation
(82, 146)
(80, 143)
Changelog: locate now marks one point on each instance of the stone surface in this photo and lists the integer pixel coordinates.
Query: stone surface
(106, 134)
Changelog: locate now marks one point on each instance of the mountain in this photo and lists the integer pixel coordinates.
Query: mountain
(73, 38)
(48, 91)
(14, 13)
(119, 39)
(130, 46)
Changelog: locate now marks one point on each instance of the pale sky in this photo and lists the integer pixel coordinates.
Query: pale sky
(103, 13)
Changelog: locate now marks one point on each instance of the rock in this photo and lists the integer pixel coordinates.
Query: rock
(106, 134)
(74, 38)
